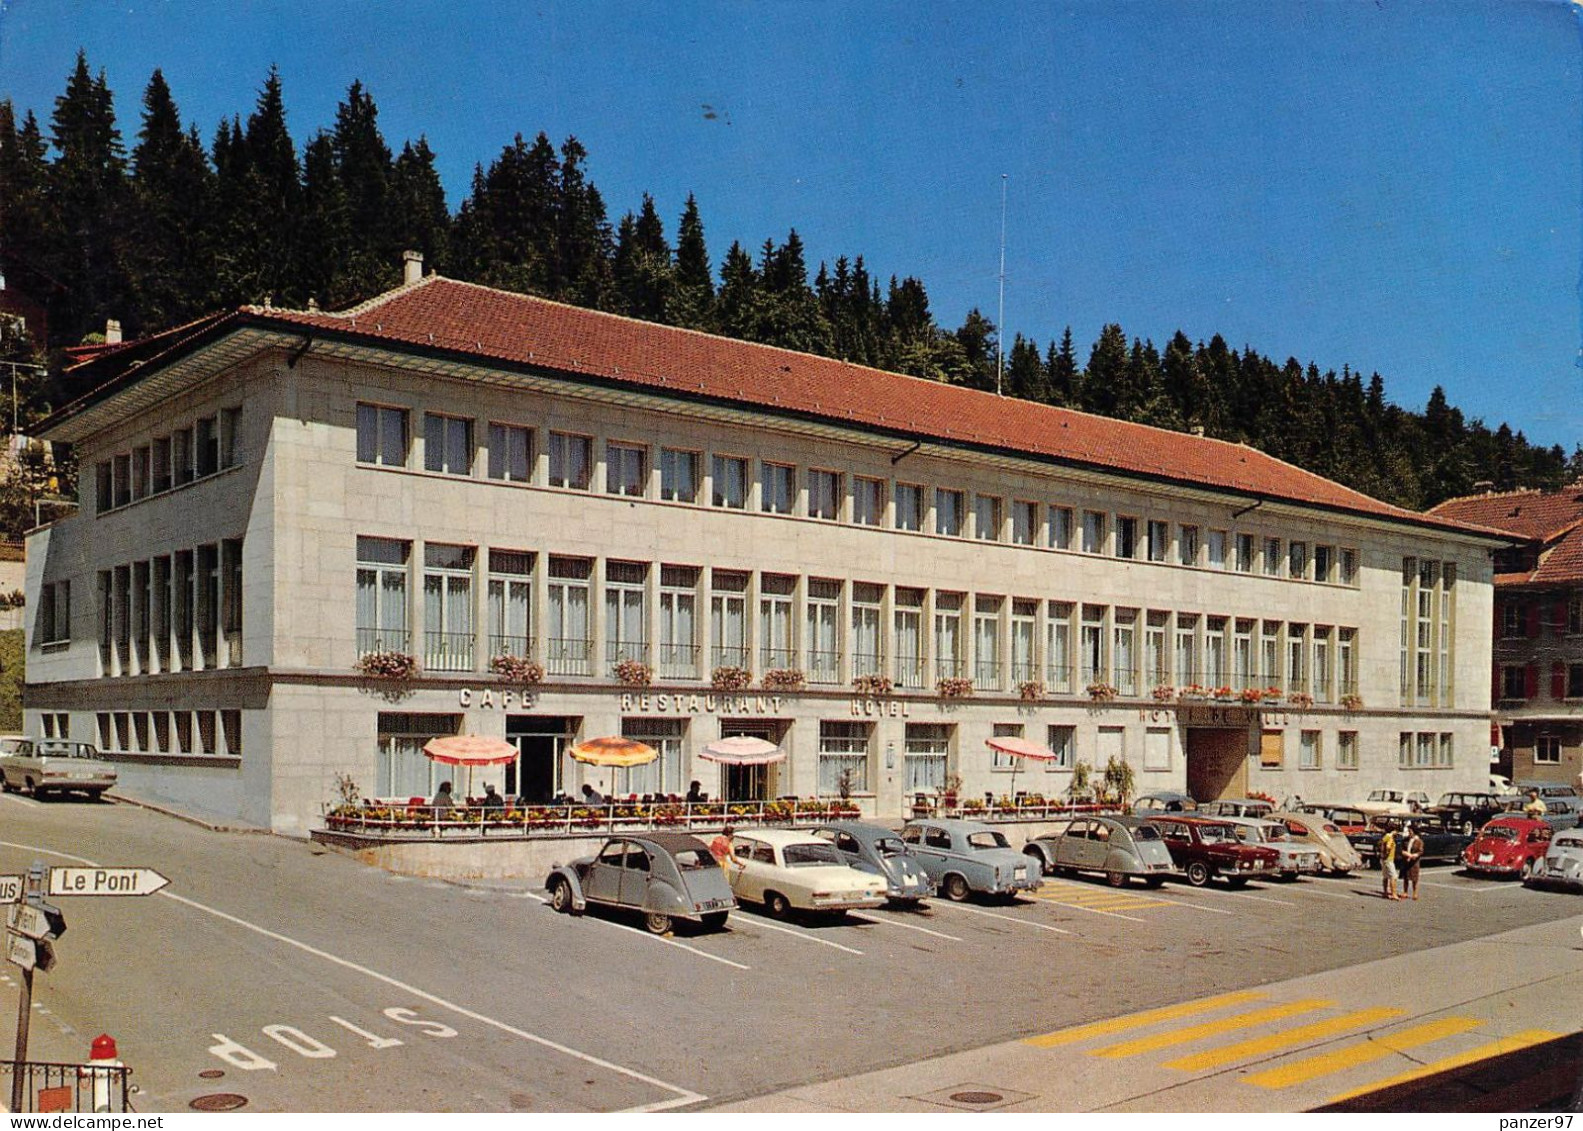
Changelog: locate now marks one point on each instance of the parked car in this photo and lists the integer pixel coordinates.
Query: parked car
(785, 869)
(1442, 843)
(1239, 807)
(967, 856)
(876, 849)
(666, 876)
(1508, 846)
(1352, 822)
(1501, 785)
(1295, 859)
(1203, 848)
(43, 766)
(1118, 847)
(1562, 863)
(1163, 802)
(1467, 811)
(1336, 853)
(1394, 802)
(1548, 789)
(1561, 810)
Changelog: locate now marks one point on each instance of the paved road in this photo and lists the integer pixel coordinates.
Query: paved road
(315, 983)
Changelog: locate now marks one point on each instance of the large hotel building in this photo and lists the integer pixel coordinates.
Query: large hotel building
(695, 537)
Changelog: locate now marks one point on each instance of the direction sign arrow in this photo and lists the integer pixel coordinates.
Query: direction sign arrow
(27, 920)
(105, 881)
(21, 951)
(10, 889)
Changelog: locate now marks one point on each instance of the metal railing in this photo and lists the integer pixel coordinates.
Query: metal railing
(949, 668)
(399, 819)
(986, 675)
(368, 640)
(51, 1087)
(1058, 677)
(679, 661)
(568, 656)
(728, 656)
(510, 645)
(772, 658)
(448, 651)
(911, 671)
(824, 667)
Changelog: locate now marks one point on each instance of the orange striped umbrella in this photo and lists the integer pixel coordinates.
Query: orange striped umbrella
(470, 750)
(614, 750)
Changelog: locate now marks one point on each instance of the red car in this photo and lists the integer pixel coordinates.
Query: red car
(1203, 847)
(1508, 846)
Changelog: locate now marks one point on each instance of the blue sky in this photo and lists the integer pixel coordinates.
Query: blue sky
(1393, 186)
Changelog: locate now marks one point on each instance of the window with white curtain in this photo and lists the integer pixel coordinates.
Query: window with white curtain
(678, 476)
(626, 470)
(1095, 669)
(778, 488)
(1058, 646)
(947, 635)
(664, 774)
(986, 642)
(567, 642)
(824, 494)
(999, 759)
(626, 612)
(571, 461)
(868, 501)
(1186, 650)
(381, 595)
(678, 622)
(728, 619)
(777, 632)
(926, 756)
(907, 627)
(730, 481)
(844, 749)
(1062, 740)
(824, 631)
(1156, 654)
(447, 607)
(401, 767)
(447, 444)
(1124, 654)
(510, 453)
(1024, 638)
(510, 597)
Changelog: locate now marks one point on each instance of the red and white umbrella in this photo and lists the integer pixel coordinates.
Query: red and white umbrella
(470, 750)
(1020, 748)
(742, 750)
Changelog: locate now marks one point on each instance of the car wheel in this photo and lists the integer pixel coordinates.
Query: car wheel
(657, 923)
(714, 921)
(1235, 882)
(1154, 883)
(1116, 879)
(561, 897)
(6, 786)
(777, 904)
(955, 888)
(1198, 873)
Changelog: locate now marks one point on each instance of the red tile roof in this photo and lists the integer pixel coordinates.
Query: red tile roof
(1551, 519)
(450, 317)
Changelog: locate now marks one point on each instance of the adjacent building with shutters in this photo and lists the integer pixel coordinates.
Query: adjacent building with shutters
(308, 542)
(1537, 665)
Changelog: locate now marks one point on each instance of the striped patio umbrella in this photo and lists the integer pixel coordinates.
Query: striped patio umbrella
(1020, 748)
(742, 750)
(614, 750)
(470, 750)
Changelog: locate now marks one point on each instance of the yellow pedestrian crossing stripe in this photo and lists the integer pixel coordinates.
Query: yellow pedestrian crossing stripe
(1499, 1047)
(1285, 1039)
(1139, 1020)
(1313, 1067)
(1101, 899)
(1211, 1028)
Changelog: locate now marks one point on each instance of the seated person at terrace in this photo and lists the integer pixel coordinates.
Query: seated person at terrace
(492, 800)
(592, 796)
(443, 800)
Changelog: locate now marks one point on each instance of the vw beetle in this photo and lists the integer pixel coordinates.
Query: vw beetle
(876, 849)
(666, 876)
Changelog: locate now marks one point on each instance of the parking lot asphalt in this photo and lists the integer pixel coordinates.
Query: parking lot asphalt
(364, 990)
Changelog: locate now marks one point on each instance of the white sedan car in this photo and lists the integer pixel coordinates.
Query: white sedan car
(783, 870)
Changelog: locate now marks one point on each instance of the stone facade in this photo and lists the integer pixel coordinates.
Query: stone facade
(264, 545)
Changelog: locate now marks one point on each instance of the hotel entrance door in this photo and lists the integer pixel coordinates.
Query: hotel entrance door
(541, 741)
(752, 783)
(1217, 763)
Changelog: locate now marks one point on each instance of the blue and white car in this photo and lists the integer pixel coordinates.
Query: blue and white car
(876, 849)
(963, 857)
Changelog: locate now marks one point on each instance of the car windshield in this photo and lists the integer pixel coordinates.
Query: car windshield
(1145, 832)
(691, 859)
(1385, 795)
(987, 840)
(890, 846)
(810, 855)
(1499, 832)
(1568, 840)
(1247, 834)
(59, 748)
(1450, 799)
(1274, 832)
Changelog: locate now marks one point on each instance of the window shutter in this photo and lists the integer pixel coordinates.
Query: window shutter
(1530, 681)
(1495, 685)
(1533, 617)
(1558, 681)
(1558, 616)
(1500, 617)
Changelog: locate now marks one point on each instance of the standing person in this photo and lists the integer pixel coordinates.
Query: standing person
(720, 847)
(1412, 855)
(1535, 809)
(1388, 863)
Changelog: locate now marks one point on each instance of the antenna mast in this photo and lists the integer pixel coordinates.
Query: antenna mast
(1000, 317)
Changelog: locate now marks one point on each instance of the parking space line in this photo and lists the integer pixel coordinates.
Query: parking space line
(1289, 1038)
(908, 926)
(1090, 910)
(1029, 922)
(1499, 1047)
(1261, 898)
(1475, 889)
(1331, 894)
(1313, 1067)
(802, 935)
(1138, 1020)
(1210, 1028)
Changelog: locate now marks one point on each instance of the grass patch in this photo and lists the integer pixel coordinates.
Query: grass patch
(13, 674)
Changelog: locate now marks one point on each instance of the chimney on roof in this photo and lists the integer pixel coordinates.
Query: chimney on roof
(112, 332)
(411, 267)
(1484, 487)
(1197, 429)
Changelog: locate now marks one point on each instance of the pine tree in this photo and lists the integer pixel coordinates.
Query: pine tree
(259, 213)
(28, 228)
(1106, 373)
(584, 243)
(692, 299)
(362, 165)
(736, 306)
(420, 220)
(1061, 368)
(643, 273)
(789, 313)
(326, 227)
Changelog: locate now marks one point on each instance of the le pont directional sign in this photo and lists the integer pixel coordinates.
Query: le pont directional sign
(105, 881)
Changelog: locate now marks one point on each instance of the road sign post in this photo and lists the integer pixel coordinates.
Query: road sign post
(105, 881)
(21, 950)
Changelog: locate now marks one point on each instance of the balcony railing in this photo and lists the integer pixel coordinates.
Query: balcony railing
(1126, 683)
(911, 672)
(1058, 678)
(568, 656)
(824, 667)
(1024, 671)
(728, 656)
(949, 668)
(510, 645)
(679, 661)
(986, 675)
(368, 640)
(448, 651)
(771, 658)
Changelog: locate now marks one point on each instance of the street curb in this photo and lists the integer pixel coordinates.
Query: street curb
(122, 799)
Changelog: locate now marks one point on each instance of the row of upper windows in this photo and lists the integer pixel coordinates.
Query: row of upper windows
(206, 447)
(1530, 618)
(384, 438)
